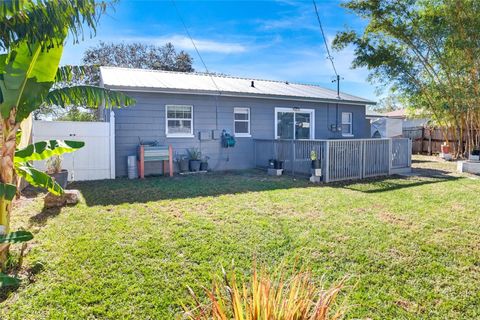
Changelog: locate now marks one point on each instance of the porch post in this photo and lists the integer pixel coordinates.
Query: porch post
(112, 144)
(327, 161)
(363, 145)
(293, 158)
(390, 156)
(409, 153)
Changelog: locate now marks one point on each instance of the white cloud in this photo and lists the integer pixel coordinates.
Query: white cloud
(203, 45)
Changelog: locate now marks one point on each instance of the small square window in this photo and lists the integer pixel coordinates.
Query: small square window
(241, 122)
(347, 118)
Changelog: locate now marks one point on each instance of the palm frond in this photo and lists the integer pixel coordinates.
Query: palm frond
(11, 7)
(54, 18)
(70, 73)
(88, 97)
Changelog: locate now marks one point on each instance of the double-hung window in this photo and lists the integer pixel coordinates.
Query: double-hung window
(347, 118)
(241, 122)
(179, 121)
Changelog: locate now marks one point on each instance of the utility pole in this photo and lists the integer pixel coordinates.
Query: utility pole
(338, 86)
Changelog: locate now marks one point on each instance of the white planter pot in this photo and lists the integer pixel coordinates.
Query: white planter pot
(471, 157)
(275, 172)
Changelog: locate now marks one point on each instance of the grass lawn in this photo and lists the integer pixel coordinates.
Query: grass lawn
(411, 245)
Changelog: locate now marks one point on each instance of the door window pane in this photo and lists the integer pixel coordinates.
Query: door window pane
(285, 125)
(302, 125)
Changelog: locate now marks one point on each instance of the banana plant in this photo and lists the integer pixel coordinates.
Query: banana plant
(33, 37)
(14, 237)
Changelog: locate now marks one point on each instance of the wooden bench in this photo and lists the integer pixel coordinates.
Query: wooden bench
(155, 153)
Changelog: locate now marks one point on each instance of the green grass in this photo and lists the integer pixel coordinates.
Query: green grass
(410, 245)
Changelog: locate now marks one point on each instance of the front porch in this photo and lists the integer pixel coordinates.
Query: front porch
(340, 159)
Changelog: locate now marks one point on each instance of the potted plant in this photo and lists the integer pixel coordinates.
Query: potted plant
(54, 169)
(445, 148)
(194, 156)
(279, 164)
(316, 165)
(183, 163)
(204, 163)
(272, 163)
(475, 154)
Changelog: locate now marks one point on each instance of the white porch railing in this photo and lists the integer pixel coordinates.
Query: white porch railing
(340, 159)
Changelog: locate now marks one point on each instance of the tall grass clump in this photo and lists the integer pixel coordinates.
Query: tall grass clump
(268, 297)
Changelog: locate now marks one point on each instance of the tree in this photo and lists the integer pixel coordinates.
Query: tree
(429, 52)
(136, 55)
(389, 103)
(128, 55)
(33, 35)
(76, 113)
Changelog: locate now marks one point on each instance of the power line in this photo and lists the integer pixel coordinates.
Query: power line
(329, 56)
(194, 45)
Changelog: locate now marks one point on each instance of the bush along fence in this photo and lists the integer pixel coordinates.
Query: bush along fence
(340, 159)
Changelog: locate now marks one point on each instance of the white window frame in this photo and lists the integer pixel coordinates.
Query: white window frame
(348, 134)
(296, 110)
(178, 135)
(245, 135)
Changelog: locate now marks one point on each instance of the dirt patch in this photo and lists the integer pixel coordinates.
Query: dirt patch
(394, 219)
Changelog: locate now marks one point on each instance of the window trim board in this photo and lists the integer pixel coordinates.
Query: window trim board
(178, 135)
(347, 134)
(248, 121)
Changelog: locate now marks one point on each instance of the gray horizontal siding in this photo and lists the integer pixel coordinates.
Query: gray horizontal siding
(146, 121)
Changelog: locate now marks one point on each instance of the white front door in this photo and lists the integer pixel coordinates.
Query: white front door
(293, 123)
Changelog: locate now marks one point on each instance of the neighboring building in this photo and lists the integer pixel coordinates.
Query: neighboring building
(373, 115)
(407, 121)
(191, 110)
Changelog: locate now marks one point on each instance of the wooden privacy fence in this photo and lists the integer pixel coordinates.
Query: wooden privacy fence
(340, 159)
(429, 140)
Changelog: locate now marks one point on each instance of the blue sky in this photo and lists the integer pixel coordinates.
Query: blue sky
(277, 40)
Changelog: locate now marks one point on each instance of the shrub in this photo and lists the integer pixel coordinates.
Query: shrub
(268, 298)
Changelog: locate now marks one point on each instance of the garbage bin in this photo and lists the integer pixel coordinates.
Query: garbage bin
(132, 167)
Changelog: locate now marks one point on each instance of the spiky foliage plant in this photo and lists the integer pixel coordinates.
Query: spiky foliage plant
(268, 297)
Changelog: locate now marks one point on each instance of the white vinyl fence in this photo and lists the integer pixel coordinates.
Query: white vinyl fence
(340, 159)
(96, 160)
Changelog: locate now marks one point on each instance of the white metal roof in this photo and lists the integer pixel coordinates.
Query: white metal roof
(374, 114)
(201, 83)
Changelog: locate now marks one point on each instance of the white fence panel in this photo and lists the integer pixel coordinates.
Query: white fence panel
(95, 160)
(376, 158)
(345, 160)
(401, 152)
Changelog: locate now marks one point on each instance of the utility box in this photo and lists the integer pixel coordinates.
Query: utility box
(217, 134)
(205, 135)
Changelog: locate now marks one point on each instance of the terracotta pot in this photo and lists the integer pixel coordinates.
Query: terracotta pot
(445, 148)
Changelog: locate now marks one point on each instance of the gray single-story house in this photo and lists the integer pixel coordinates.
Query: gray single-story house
(188, 110)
